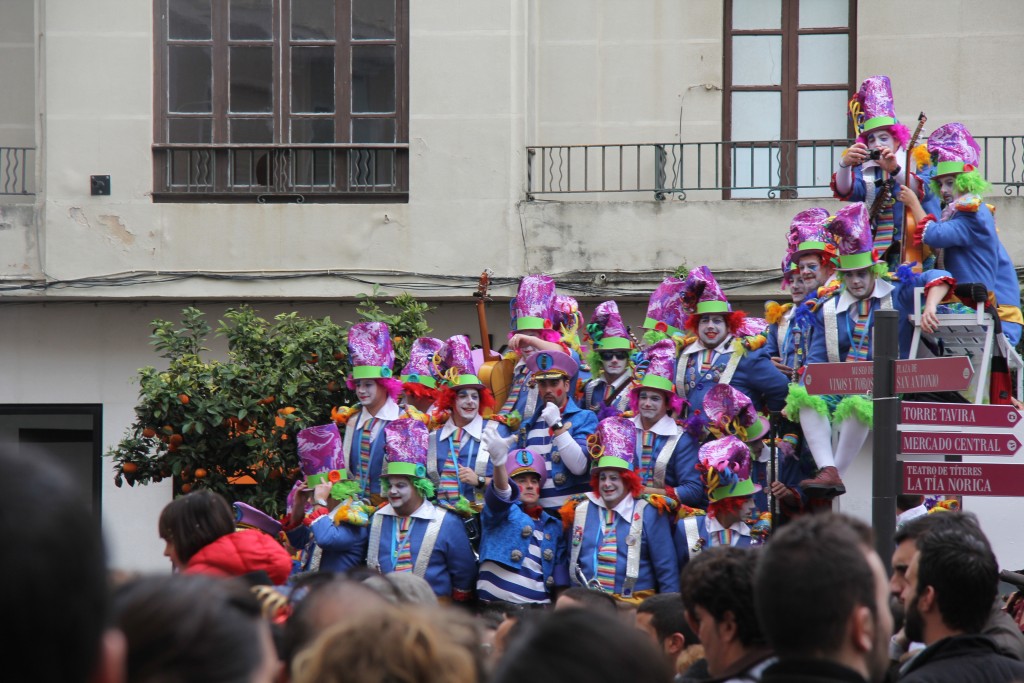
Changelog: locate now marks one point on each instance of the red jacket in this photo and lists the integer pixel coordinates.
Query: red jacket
(242, 552)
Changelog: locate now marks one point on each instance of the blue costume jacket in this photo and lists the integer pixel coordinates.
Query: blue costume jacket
(755, 376)
(859, 193)
(595, 392)
(371, 480)
(970, 242)
(705, 539)
(508, 530)
(452, 567)
(340, 546)
(681, 475)
(659, 569)
(468, 452)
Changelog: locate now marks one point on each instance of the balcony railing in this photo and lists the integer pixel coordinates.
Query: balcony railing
(280, 173)
(724, 170)
(17, 171)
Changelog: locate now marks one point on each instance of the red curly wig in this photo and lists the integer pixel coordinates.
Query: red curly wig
(633, 484)
(446, 399)
(726, 506)
(419, 391)
(733, 321)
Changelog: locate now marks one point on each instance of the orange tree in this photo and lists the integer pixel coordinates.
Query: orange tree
(229, 426)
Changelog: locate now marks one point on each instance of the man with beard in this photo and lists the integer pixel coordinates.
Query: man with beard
(821, 596)
(456, 462)
(559, 429)
(411, 534)
(609, 361)
(948, 590)
(620, 541)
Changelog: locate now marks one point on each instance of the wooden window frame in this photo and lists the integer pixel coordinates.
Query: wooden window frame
(353, 168)
(789, 31)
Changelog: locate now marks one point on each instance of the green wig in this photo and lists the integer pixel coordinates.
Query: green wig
(970, 182)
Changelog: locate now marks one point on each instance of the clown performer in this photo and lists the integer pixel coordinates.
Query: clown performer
(377, 391)
(411, 534)
(609, 361)
(533, 330)
(523, 553)
(732, 518)
(558, 431)
(721, 354)
(665, 317)
(456, 462)
(782, 336)
(842, 332)
(966, 229)
(664, 457)
(620, 539)
(333, 533)
(418, 384)
(873, 161)
(568, 321)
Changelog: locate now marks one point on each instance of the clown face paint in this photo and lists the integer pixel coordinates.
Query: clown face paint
(798, 289)
(859, 283)
(652, 406)
(811, 270)
(880, 139)
(611, 487)
(402, 495)
(614, 362)
(947, 188)
(368, 393)
(467, 404)
(711, 329)
(553, 391)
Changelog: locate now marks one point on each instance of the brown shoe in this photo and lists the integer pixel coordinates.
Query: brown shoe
(825, 484)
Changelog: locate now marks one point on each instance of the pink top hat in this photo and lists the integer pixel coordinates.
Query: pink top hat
(370, 351)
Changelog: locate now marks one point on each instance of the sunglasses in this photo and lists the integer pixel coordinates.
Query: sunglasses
(618, 355)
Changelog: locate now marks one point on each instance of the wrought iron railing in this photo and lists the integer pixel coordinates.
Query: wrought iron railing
(276, 173)
(724, 170)
(17, 170)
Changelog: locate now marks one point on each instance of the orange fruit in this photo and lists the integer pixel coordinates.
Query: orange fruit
(201, 473)
(149, 432)
(265, 401)
(168, 429)
(185, 488)
(332, 386)
(129, 468)
(287, 411)
(339, 355)
(176, 439)
(183, 398)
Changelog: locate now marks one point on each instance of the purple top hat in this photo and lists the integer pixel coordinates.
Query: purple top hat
(659, 365)
(405, 448)
(370, 351)
(320, 453)
(807, 234)
(533, 306)
(851, 227)
(248, 516)
(551, 365)
(522, 460)
(872, 107)
(665, 308)
(751, 326)
(565, 312)
(613, 443)
(455, 364)
(421, 362)
(727, 463)
(701, 293)
(729, 410)
(607, 329)
(954, 149)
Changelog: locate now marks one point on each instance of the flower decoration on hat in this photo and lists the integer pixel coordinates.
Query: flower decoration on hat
(725, 465)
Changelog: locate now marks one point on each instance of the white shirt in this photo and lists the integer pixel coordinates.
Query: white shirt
(725, 346)
(426, 510)
(475, 428)
(712, 525)
(623, 509)
(388, 412)
(882, 287)
(666, 426)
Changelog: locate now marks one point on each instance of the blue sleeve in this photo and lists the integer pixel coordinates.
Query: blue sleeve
(769, 380)
(683, 476)
(903, 297)
(459, 557)
(771, 346)
(584, 423)
(858, 191)
(561, 568)
(662, 551)
(817, 352)
(497, 506)
(338, 537)
(961, 230)
(299, 536)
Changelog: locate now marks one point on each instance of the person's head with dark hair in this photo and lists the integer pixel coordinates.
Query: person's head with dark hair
(326, 603)
(53, 582)
(194, 629)
(952, 581)
(579, 644)
(821, 594)
(905, 541)
(193, 521)
(717, 591)
(586, 598)
(663, 618)
(906, 501)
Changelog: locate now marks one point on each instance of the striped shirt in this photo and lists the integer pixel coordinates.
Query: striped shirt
(525, 585)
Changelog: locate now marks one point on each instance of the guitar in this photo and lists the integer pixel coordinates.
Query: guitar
(494, 371)
(912, 253)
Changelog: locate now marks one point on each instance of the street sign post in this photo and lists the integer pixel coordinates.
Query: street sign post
(955, 478)
(1005, 444)
(959, 415)
(949, 373)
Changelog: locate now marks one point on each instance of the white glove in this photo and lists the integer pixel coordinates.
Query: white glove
(551, 414)
(497, 446)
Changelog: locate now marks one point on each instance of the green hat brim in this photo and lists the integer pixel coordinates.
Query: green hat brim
(405, 469)
(529, 322)
(652, 324)
(468, 381)
(847, 262)
(877, 122)
(370, 372)
(609, 343)
(704, 307)
(745, 487)
(657, 382)
(948, 168)
(425, 380)
(611, 462)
